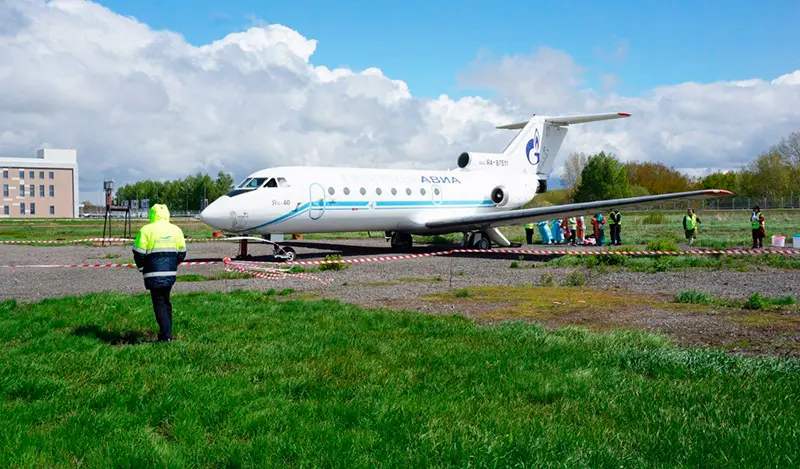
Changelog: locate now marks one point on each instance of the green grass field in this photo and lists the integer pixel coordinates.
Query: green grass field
(719, 229)
(254, 381)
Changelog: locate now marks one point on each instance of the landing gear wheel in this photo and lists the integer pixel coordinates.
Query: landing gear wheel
(290, 254)
(285, 253)
(401, 240)
(483, 244)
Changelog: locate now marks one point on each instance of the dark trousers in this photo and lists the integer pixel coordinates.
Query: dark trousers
(572, 235)
(529, 235)
(163, 309)
(758, 238)
(615, 229)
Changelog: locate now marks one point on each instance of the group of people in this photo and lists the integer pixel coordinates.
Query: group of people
(572, 230)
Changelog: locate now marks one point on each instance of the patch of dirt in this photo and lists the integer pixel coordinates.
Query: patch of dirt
(774, 332)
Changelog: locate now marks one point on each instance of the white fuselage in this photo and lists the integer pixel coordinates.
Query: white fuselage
(320, 200)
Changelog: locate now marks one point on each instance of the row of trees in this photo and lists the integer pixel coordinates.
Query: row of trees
(180, 194)
(774, 173)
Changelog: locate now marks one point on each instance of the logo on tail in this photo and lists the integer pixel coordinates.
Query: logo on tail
(533, 144)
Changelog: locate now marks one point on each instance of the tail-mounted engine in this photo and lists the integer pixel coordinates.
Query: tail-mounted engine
(499, 196)
(476, 160)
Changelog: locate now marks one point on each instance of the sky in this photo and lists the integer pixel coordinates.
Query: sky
(153, 89)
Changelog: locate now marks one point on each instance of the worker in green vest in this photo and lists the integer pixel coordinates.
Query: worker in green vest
(758, 225)
(690, 222)
(572, 224)
(615, 220)
(529, 232)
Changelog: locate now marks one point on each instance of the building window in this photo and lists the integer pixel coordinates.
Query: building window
(32, 190)
(52, 210)
(33, 208)
(52, 190)
(22, 190)
(52, 175)
(22, 174)
(31, 174)
(22, 208)
(5, 210)
(41, 174)
(41, 190)
(5, 174)
(5, 190)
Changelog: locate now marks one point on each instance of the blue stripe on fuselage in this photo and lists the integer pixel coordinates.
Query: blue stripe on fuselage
(386, 205)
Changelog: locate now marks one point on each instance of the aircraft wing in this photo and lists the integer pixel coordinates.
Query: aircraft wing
(531, 215)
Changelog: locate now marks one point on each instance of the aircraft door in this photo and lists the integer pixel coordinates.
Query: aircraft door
(436, 194)
(316, 200)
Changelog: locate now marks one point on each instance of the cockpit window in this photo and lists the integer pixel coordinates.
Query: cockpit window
(247, 185)
(272, 183)
(283, 182)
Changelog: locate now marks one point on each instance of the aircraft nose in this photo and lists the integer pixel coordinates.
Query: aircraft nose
(216, 215)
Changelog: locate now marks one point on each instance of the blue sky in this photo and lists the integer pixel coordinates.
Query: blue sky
(426, 43)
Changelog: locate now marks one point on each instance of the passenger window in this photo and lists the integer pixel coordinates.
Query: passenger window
(283, 182)
(422, 191)
(346, 191)
(331, 191)
(272, 183)
(408, 191)
(363, 191)
(436, 191)
(378, 191)
(394, 191)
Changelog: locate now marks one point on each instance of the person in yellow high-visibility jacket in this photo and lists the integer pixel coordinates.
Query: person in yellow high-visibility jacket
(529, 227)
(758, 225)
(158, 251)
(690, 222)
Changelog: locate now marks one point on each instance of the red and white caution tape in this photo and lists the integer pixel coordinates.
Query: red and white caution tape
(106, 240)
(545, 252)
(266, 272)
(88, 266)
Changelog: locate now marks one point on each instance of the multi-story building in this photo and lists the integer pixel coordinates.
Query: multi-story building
(42, 187)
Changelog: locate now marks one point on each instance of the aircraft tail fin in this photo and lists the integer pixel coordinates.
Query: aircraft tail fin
(535, 147)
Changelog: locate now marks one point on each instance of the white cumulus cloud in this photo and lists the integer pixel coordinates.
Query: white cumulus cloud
(140, 103)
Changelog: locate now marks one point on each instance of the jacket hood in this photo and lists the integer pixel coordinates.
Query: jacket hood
(158, 212)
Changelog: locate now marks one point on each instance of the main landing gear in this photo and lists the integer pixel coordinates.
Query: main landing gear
(476, 241)
(399, 239)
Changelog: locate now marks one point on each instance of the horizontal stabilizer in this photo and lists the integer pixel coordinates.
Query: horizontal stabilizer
(567, 120)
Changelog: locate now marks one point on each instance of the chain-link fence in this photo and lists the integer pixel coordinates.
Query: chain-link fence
(735, 203)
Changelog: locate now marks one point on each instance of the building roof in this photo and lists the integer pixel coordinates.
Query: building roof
(45, 158)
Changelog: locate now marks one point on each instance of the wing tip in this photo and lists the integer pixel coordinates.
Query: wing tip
(624, 114)
(718, 192)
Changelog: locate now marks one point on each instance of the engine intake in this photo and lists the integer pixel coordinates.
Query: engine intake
(499, 196)
(463, 160)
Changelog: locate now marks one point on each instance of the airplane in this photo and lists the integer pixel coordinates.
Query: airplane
(485, 192)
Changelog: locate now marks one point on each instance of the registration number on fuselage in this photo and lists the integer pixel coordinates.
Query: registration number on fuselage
(491, 162)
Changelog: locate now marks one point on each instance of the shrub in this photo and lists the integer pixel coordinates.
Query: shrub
(461, 293)
(655, 218)
(694, 297)
(514, 265)
(333, 265)
(575, 279)
(546, 280)
(755, 302)
(662, 245)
